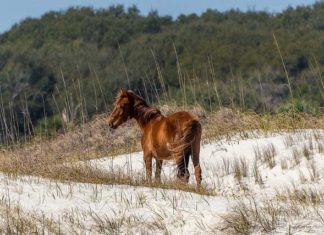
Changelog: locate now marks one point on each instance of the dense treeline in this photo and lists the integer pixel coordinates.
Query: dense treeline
(71, 63)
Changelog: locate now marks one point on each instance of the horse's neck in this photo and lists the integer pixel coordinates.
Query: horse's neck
(144, 114)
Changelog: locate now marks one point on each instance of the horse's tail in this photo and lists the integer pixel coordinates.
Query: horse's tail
(191, 133)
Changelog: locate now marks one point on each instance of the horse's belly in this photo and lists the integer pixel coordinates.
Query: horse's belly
(163, 152)
(162, 140)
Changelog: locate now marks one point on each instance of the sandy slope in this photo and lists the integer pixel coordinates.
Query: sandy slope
(83, 207)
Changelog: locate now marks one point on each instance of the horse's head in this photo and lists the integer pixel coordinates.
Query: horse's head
(123, 109)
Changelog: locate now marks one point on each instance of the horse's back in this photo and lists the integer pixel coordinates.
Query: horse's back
(182, 117)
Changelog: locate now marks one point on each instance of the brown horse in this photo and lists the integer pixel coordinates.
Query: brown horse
(173, 137)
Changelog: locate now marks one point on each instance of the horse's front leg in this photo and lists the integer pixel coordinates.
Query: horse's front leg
(158, 169)
(148, 165)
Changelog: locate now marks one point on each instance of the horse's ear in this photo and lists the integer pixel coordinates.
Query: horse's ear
(131, 92)
(134, 94)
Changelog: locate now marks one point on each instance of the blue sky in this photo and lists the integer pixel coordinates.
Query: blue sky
(13, 11)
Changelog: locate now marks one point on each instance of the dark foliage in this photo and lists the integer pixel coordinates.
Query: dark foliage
(74, 61)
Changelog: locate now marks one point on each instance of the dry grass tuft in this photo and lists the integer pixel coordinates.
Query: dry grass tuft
(296, 154)
(307, 151)
(313, 171)
(284, 164)
(15, 221)
(240, 167)
(256, 173)
(252, 215)
(268, 155)
(238, 221)
(289, 141)
(304, 196)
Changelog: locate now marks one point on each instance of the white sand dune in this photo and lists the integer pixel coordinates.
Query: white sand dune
(80, 208)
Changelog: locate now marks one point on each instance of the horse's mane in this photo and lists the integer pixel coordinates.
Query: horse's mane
(145, 111)
(141, 109)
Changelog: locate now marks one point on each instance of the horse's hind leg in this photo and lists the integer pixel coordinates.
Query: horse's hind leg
(195, 160)
(183, 173)
(158, 169)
